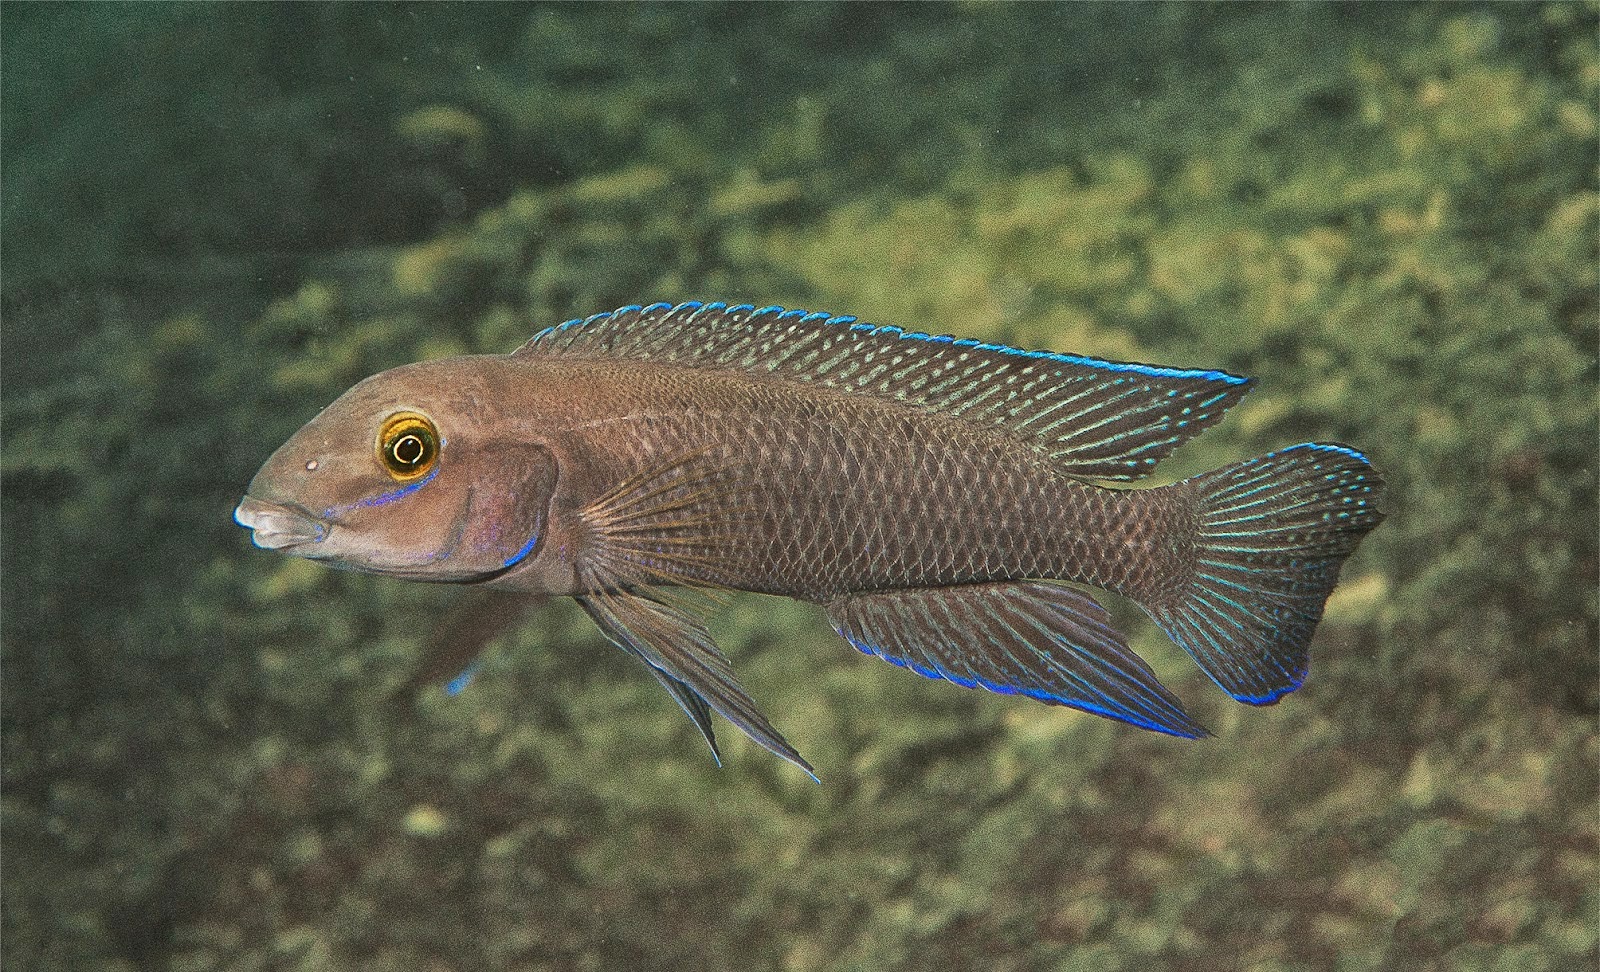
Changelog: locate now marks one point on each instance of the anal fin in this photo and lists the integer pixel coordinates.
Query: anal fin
(1045, 641)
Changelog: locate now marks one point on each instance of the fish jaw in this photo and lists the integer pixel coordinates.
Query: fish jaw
(275, 526)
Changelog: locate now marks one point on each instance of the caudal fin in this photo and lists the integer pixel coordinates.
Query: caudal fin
(1272, 533)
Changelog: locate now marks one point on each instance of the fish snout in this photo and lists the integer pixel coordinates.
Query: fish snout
(275, 526)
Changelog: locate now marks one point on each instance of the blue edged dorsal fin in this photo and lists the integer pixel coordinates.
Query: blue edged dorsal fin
(1098, 419)
(1045, 641)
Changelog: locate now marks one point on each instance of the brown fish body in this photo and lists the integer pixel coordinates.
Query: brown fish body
(821, 493)
(932, 493)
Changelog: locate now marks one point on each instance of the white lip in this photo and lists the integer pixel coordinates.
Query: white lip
(275, 526)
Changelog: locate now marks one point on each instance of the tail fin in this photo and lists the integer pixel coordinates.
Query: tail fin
(1272, 533)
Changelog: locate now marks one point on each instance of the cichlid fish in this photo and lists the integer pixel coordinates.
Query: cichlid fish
(930, 492)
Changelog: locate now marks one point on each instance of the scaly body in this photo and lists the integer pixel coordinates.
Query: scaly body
(932, 493)
(819, 493)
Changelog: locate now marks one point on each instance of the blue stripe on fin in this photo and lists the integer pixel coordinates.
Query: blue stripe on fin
(1048, 642)
(679, 652)
(459, 684)
(1273, 534)
(1097, 419)
(1342, 450)
(690, 701)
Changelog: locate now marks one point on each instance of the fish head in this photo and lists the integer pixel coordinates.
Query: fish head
(408, 474)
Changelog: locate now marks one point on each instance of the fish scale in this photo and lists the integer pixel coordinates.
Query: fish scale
(886, 502)
(935, 494)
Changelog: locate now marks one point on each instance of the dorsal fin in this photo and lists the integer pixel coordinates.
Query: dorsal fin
(1098, 419)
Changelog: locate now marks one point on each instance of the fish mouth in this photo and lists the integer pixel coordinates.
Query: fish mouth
(278, 526)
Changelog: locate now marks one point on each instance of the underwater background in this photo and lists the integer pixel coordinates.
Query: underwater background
(217, 218)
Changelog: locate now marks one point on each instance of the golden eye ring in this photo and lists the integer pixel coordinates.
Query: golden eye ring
(408, 446)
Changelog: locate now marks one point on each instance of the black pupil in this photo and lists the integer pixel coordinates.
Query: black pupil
(408, 450)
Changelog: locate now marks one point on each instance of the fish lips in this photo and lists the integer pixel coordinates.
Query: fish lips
(279, 526)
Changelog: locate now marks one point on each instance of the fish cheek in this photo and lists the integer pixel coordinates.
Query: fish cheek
(409, 531)
(509, 508)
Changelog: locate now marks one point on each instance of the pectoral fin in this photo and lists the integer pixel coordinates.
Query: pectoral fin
(664, 528)
(664, 525)
(681, 655)
(1049, 642)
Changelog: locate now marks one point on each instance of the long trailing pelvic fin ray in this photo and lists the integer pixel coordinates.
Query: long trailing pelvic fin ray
(688, 699)
(645, 535)
(682, 656)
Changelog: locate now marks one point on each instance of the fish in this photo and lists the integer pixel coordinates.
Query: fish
(951, 503)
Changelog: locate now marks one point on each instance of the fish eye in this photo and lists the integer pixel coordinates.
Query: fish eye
(408, 445)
